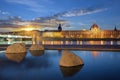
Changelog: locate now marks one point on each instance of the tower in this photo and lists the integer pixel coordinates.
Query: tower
(59, 27)
(115, 29)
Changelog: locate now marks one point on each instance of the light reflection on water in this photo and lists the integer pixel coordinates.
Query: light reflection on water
(98, 66)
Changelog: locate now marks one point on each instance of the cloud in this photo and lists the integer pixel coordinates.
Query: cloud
(10, 22)
(33, 5)
(36, 24)
(45, 22)
(4, 12)
(30, 3)
(79, 12)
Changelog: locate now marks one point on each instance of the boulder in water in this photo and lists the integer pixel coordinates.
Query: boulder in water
(16, 52)
(16, 48)
(36, 50)
(69, 59)
(36, 47)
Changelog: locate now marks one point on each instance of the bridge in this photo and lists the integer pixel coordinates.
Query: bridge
(10, 39)
(33, 36)
(14, 36)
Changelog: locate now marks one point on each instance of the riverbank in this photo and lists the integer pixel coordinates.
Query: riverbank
(75, 47)
(84, 47)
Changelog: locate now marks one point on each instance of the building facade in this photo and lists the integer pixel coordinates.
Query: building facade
(58, 37)
(94, 32)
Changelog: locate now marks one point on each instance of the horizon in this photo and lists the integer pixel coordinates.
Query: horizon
(47, 14)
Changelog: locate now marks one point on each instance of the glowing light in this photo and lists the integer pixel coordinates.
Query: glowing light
(111, 42)
(52, 34)
(84, 29)
(28, 29)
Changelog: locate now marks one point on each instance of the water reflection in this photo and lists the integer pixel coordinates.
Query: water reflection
(95, 53)
(31, 68)
(70, 71)
(37, 52)
(46, 67)
(37, 63)
(28, 63)
(59, 51)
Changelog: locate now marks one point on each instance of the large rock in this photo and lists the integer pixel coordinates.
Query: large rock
(36, 50)
(69, 59)
(16, 52)
(16, 48)
(36, 47)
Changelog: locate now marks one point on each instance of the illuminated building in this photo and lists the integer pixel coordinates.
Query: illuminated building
(78, 36)
(94, 32)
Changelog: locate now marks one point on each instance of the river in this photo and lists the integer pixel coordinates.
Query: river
(98, 65)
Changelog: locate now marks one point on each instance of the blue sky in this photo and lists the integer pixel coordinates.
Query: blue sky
(78, 13)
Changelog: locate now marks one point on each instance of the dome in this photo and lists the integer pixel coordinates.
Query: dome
(94, 26)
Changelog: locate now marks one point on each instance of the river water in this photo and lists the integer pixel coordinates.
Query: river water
(98, 65)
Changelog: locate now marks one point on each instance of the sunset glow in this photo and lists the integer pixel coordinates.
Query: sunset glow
(28, 29)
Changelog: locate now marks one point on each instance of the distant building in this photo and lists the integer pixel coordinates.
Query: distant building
(71, 37)
(80, 37)
(94, 32)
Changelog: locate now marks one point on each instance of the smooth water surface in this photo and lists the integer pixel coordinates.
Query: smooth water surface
(97, 66)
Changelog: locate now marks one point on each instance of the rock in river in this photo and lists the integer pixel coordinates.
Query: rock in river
(36, 50)
(69, 59)
(16, 52)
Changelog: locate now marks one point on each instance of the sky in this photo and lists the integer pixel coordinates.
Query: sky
(47, 14)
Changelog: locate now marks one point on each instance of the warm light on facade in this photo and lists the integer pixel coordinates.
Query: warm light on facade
(48, 34)
(28, 29)
(52, 34)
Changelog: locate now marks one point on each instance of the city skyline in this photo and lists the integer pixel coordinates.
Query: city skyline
(47, 14)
